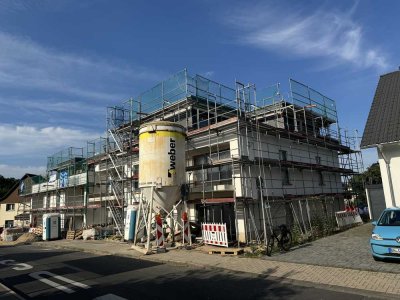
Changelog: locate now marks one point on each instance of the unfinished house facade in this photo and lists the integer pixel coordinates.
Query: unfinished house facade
(253, 158)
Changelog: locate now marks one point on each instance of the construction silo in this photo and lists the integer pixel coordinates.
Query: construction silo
(161, 163)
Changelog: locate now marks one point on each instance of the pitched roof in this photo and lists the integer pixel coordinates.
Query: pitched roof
(383, 123)
(14, 187)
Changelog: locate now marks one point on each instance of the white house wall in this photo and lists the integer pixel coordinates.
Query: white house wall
(392, 154)
(302, 182)
(270, 146)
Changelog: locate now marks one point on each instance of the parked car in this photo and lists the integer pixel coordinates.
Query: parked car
(385, 238)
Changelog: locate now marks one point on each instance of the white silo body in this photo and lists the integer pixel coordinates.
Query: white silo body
(162, 162)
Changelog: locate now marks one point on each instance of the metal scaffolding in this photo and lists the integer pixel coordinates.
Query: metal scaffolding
(252, 155)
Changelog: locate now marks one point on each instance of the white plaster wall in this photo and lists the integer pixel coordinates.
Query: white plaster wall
(392, 154)
(296, 151)
(53, 200)
(212, 139)
(62, 198)
(7, 215)
(302, 182)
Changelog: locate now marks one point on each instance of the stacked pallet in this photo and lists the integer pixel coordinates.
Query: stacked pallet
(78, 234)
(38, 230)
(70, 234)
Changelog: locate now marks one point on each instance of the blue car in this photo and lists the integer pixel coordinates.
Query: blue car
(385, 238)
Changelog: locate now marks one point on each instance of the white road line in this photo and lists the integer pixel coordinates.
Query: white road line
(37, 275)
(109, 297)
(78, 284)
(9, 292)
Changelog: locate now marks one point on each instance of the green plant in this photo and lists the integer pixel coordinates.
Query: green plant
(297, 235)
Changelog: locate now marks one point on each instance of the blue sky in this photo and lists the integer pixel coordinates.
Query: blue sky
(63, 62)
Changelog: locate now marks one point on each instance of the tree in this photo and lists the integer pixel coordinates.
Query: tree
(6, 184)
(371, 176)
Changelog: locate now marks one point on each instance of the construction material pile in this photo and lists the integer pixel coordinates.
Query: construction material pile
(24, 238)
(96, 232)
(37, 230)
(27, 237)
(11, 234)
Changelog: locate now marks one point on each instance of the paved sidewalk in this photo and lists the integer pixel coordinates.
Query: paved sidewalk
(365, 281)
(348, 249)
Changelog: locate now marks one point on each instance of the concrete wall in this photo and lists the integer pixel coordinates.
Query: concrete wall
(96, 216)
(376, 200)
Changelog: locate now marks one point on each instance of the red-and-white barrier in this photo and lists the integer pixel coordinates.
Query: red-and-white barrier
(214, 234)
(159, 232)
(347, 218)
(186, 228)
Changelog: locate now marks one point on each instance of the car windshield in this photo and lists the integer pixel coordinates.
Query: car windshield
(390, 218)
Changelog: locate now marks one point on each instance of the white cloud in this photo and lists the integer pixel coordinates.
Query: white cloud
(52, 105)
(19, 171)
(332, 35)
(27, 64)
(30, 141)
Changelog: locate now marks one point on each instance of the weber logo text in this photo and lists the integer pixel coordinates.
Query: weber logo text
(172, 157)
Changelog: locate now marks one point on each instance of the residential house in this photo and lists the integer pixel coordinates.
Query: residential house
(382, 131)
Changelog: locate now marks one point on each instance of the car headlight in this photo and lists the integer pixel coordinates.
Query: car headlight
(377, 237)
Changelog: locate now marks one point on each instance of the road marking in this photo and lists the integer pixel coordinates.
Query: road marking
(22, 267)
(110, 297)
(6, 262)
(8, 292)
(37, 275)
(11, 262)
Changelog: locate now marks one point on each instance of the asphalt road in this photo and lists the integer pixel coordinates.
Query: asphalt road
(58, 274)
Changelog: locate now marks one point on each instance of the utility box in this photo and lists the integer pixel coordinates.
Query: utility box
(51, 226)
(130, 222)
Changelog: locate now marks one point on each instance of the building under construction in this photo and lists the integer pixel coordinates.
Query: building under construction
(254, 159)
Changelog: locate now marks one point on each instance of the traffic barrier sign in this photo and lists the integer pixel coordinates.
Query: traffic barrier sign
(347, 218)
(214, 234)
(159, 231)
(186, 228)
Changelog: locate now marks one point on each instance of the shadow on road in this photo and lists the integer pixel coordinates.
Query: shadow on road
(137, 279)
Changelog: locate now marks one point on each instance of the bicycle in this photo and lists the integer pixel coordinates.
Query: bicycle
(283, 236)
